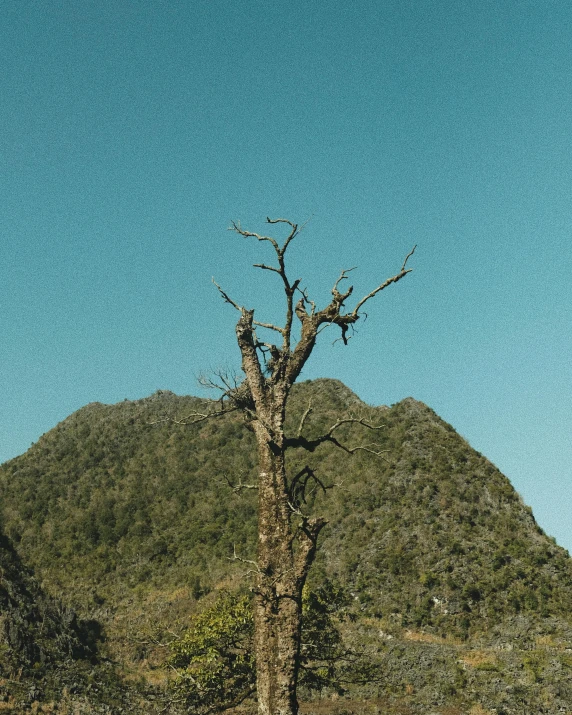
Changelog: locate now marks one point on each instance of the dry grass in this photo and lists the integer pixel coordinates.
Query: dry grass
(478, 709)
(354, 707)
(422, 637)
(341, 706)
(549, 641)
(478, 659)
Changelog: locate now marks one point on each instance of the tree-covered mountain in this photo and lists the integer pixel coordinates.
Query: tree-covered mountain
(134, 519)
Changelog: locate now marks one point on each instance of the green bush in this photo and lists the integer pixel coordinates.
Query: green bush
(214, 659)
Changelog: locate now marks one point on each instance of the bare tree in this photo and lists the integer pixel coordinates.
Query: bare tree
(287, 537)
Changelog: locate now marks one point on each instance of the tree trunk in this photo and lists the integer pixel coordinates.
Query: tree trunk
(280, 579)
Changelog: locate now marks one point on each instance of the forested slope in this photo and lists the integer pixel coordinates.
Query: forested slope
(132, 518)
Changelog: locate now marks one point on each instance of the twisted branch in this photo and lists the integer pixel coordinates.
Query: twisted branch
(310, 445)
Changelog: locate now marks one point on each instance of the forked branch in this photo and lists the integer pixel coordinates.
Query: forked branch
(289, 288)
(240, 308)
(297, 489)
(235, 557)
(237, 487)
(397, 277)
(332, 314)
(310, 445)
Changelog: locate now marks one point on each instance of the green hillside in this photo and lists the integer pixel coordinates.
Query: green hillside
(131, 518)
(47, 654)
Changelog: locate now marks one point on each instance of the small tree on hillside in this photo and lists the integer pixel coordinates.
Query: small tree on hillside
(287, 537)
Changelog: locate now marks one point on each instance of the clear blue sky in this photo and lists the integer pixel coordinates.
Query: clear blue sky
(133, 131)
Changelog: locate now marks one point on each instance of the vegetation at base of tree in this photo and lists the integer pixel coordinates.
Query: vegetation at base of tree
(214, 659)
(134, 526)
(215, 662)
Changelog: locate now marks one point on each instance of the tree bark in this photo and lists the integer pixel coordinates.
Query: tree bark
(284, 559)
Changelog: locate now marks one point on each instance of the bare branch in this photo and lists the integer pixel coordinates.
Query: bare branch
(367, 448)
(344, 337)
(194, 418)
(310, 445)
(235, 226)
(310, 528)
(292, 234)
(226, 296)
(267, 268)
(301, 311)
(331, 315)
(304, 417)
(397, 277)
(296, 510)
(269, 326)
(228, 378)
(408, 256)
(307, 301)
(280, 220)
(237, 488)
(268, 348)
(354, 420)
(236, 557)
(289, 289)
(343, 277)
(298, 489)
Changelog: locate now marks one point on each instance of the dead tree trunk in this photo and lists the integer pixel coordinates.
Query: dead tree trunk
(287, 537)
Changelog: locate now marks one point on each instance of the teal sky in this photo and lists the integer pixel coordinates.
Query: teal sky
(133, 131)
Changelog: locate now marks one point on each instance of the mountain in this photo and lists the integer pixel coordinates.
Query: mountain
(130, 516)
(47, 654)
